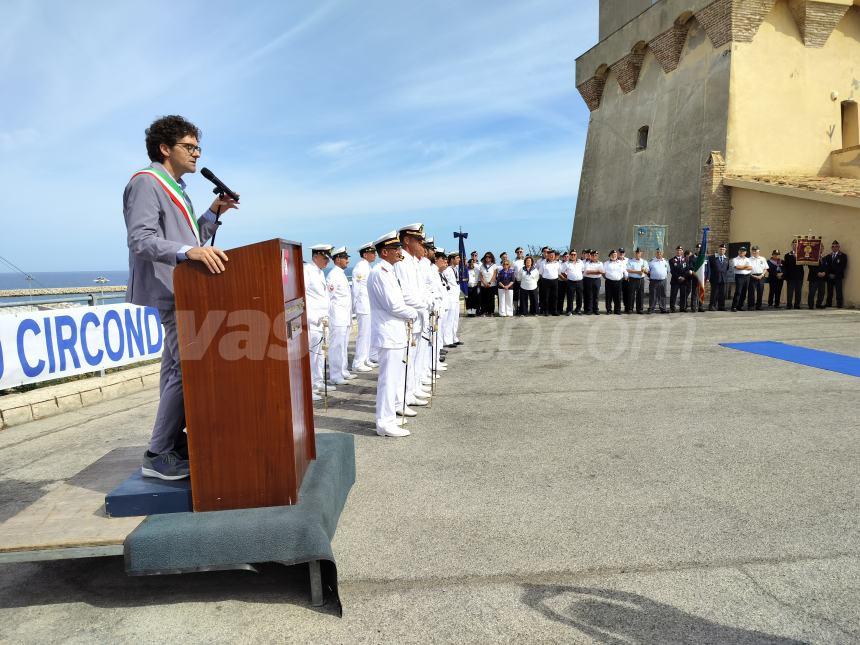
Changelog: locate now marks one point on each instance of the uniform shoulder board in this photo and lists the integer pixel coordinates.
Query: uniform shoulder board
(383, 269)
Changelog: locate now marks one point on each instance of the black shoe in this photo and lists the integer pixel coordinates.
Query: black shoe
(617, 313)
(672, 309)
(663, 311)
(734, 308)
(710, 307)
(758, 308)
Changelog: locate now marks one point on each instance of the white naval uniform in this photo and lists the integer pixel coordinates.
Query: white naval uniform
(428, 273)
(361, 307)
(388, 315)
(440, 306)
(340, 318)
(413, 286)
(316, 301)
(453, 313)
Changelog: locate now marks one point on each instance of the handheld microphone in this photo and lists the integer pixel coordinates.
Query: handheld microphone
(220, 186)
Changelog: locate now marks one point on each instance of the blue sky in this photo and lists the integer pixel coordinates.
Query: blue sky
(337, 121)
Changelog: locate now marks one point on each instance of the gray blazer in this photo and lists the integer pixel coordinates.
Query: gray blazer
(157, 231)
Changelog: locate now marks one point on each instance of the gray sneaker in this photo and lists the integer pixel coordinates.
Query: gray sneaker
(167, 466)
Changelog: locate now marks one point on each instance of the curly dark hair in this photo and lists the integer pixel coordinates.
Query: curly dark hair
(168, 130)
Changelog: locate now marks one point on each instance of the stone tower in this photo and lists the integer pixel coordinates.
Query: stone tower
(685, 94)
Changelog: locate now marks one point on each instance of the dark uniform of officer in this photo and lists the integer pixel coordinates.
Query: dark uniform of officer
(793, 278)
(775, 279)
(718, 270)
(835, 265)
(816, 279)
(680, 282)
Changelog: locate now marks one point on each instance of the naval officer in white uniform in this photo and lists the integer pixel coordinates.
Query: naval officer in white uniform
(361, 307)
(417, 296)
(389, 314)
(316, 299)
(340, 317)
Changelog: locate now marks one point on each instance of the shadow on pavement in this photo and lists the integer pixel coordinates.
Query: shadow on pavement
(102, 582)
(610, 616)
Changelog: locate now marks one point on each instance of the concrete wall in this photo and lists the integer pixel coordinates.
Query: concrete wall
(616, 13)
(846, 163)
(782, 119)
(686, 113)
(771, 221)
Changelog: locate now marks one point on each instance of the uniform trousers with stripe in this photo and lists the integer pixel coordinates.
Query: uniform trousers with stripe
(449, 318)
(337, 352)
(170, 418)
(389, 385)
(315, 343)
(362, 341)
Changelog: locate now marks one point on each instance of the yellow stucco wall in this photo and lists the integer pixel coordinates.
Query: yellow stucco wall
(771, 221)
(781, 115)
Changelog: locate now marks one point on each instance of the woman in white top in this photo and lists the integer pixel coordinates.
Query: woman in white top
(487, 273)
(473, 300)
(528, 276)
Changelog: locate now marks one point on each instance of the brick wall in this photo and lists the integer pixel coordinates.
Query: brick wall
(592, 91)
(627, 70)
(667, 47)
(726, 21)
(716, 201)
(816, 20)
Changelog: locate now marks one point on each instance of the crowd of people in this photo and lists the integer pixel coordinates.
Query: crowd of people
(407, 308)
(570, 283)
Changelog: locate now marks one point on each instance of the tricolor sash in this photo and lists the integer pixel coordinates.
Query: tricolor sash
(177, 196)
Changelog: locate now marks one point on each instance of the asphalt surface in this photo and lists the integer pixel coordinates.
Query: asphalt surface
(622, 479)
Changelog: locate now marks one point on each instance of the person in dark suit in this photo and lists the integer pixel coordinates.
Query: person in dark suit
(793, 278)
(680, 282)
(775, 279)
(816, 277)
(835, 265)
(718, 268)
(163, 231)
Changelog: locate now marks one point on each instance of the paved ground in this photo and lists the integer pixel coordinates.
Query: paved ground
(611, 480)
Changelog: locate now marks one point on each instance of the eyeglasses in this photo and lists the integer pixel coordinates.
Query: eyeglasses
(190, 148)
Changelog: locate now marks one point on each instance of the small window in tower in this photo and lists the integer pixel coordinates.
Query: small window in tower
(850, 124)
(642, 139)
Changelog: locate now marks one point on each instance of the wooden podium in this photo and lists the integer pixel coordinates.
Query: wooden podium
(243, 346)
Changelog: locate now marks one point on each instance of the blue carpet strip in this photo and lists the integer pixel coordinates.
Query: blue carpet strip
(841, 363)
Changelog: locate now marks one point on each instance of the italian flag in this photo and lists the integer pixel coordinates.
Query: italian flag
(699, 266)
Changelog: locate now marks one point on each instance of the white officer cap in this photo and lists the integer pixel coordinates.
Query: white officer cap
(339, 251)
(325, 249)
(389, 239)
(413, 229)
(367, 248)
(440, 251)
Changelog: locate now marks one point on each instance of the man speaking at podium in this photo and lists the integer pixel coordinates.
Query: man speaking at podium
(163, 231)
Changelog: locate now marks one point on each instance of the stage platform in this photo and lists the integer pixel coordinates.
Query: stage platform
(70, 522)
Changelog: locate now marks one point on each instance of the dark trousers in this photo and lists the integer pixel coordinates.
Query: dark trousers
(741, 285)
(657, 295)
(612, 296)
(816, 294)
(636, 292)
(574, 291)
(755, 291)
(834, 284)
(528, 302)
(562, 295)
(591, 290)
(625, 294)
(541, 291)
(517, 308)
(551, 293)
(676, 289)
(473, 300)
(774, 292)
(718, 296)
(792, 296)
(488, 301)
